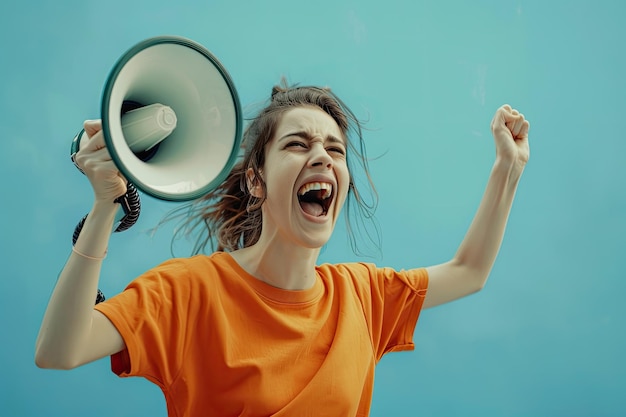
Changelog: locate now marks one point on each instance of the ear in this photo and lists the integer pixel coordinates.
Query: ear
(252, 182)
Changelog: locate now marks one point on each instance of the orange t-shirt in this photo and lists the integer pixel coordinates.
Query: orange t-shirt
(219, 342)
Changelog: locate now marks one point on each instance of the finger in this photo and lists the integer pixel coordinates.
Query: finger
(100, 155)
(88, 161)
(500, 118)
(510, 121)
(524, 130)
(119, 174)
(92, 127)
(509, 114)
(95, 142)
(517, 126)
(94, 149)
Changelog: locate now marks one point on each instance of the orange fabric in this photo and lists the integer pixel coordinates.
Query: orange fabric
(219, 342)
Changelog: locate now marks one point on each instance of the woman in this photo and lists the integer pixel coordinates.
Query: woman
(258, 328)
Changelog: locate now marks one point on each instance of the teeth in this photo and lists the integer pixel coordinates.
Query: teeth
(316, 186)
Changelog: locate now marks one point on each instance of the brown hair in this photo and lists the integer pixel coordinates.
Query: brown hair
(229, 215)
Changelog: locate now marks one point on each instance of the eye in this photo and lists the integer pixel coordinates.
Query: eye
(296, 144)
(337, 150)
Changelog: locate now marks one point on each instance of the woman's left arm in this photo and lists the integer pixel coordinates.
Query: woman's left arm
(468, 271)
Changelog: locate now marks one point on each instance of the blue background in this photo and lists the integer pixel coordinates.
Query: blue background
(545, 337)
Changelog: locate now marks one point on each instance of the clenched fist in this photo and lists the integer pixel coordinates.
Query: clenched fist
(510, 132)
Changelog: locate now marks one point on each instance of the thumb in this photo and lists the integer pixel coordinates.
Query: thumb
(505, 118)
(92, 127)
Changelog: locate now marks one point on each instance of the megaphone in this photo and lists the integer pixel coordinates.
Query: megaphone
(171, 120)
(192, 137)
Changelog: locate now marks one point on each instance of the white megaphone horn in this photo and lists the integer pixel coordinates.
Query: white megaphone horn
(171, 120)
(188, 108)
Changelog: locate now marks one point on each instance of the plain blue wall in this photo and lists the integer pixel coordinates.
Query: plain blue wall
(546, 336)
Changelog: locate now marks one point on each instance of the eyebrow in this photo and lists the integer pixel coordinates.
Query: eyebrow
(306, 135)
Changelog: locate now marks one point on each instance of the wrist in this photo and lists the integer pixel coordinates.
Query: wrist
(90, 257)
(105, 208)
(512, 170)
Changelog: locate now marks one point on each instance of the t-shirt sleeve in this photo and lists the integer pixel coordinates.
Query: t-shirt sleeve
(150, 315)
(397, 299)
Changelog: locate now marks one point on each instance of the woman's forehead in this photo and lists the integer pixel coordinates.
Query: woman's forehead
(310, 120)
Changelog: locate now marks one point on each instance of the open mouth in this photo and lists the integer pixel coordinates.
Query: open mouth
(315, 198)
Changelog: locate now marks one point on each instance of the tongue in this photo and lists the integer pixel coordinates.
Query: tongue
(314, 209)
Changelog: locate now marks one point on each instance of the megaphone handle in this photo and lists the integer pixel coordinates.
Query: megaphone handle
(131, 206)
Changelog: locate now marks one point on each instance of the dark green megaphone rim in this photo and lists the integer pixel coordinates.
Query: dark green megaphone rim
(106, 97)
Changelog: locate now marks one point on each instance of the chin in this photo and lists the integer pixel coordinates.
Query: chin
(313, 242)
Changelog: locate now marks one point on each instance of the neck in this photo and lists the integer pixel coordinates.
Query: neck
(280, 264)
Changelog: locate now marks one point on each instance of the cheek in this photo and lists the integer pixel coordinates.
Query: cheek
(344, 175)
(279, 186)
(344, 186)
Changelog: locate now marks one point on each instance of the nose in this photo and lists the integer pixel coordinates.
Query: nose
(320, 157)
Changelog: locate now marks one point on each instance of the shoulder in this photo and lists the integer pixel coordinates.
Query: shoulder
(353, 269)
(183, 272)
(356, 273)
(179, 283)
(193, 262)
(197, 263)
(369, 276)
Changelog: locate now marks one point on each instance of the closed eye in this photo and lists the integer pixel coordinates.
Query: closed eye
(337, 150)
(296, 144)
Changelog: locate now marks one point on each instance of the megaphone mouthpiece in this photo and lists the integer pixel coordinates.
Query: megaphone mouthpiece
(145, 127)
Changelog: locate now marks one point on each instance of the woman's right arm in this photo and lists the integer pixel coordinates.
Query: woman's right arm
(72, 333)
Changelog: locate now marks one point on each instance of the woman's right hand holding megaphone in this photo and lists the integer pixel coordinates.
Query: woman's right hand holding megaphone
(94, 160)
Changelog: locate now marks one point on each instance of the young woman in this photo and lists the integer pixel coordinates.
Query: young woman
(258, 328)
